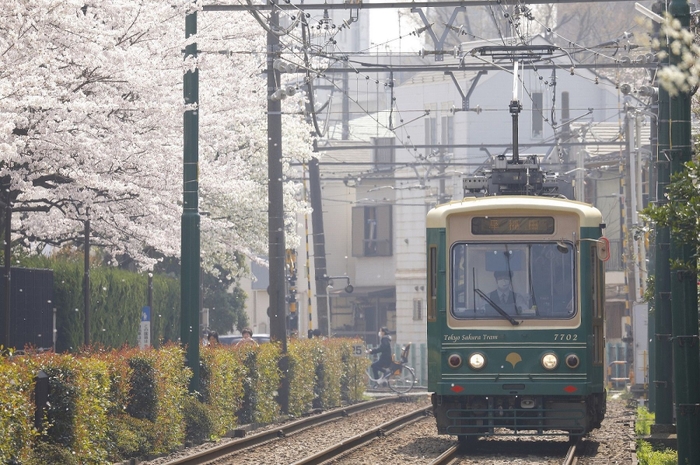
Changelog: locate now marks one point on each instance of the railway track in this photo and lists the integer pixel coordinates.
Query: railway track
(361, 439)
(453, 456)
(268, 439)
(364, 437)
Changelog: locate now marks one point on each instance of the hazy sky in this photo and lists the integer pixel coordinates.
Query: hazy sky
(385, 32)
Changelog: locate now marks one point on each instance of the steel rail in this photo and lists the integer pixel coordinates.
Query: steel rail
(447, 457)
(450, 456)
(227, 448)
(570, 458)
(363, 438)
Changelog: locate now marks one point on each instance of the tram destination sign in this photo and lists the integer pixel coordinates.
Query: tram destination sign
(484, 225)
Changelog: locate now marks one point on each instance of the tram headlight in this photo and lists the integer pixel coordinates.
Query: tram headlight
(454, 361)
(572, 361)
(477, 360)
(549, 361)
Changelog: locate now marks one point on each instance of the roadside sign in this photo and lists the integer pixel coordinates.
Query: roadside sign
(358, 350)
(145, 328)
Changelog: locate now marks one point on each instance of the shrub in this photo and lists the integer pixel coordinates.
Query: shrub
(329, 373)
(642, 425)
(648, 456)
(221, 375)
(45, 453)
(248, 356)
(323, 373)
(16, 409)
(266, 382)
(107, 406)
(352, 382)
(78, 405)
(129, 437)
(199, 420)
(302, 374)
(143, 396)
(171, 386)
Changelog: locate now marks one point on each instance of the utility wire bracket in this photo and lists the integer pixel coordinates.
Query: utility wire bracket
(439, 43)
(515, 52)
(465, 98)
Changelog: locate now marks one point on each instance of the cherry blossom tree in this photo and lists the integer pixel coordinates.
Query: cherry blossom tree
(91, 108)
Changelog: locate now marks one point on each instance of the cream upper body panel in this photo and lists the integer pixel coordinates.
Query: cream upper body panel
(588, 215)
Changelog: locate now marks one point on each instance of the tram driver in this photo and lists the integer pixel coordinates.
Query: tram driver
(505, 297)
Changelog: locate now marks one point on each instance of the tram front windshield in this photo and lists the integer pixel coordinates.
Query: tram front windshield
(512, 281)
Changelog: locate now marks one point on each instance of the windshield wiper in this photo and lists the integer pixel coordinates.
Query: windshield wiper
(498, 309)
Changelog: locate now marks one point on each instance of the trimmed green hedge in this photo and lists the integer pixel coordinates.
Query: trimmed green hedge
(109, 405)
(77, 406)
(221, 382)
(116, 299)
(16, 409)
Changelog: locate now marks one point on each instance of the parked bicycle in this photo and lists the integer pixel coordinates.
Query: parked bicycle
(398, 377)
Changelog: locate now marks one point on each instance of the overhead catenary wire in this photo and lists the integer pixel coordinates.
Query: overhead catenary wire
(328, 50)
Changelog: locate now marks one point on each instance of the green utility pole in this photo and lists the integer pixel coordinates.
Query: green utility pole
(663, 371)
(684, 288)
(275, 212)
(190, 255)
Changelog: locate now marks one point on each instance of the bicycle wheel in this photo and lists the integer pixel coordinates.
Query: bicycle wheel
(372, 383)
(401, 381)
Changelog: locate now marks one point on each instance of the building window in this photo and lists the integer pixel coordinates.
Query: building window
(447, 133)
(371, 231)
(565, 115)
(417, 309)
(430, 135)
(383, 153)
(537, 114)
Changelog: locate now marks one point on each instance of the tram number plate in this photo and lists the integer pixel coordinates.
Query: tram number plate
(565, 337)
(358, 350)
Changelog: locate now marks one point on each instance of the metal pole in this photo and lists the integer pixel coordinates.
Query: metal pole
(320, 271)
(149, 302)
(651, 335)
(328, 305)
(640, 205)
(8, 268)
(86, 283)
(684, 288)
(514, 109)
(55, 331)
(631, 195)
(275, 212)
(663, 381)
(190, 246)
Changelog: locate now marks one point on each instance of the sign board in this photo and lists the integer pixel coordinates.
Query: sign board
(145, 328)
(358, 350)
